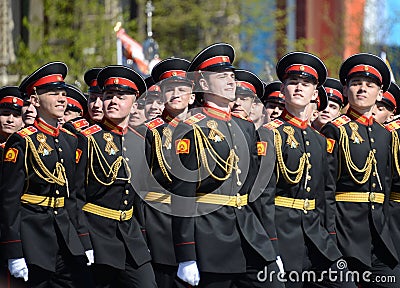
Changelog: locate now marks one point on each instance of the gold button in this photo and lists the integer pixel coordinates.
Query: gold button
(59, 149)
(123, 138)
(126, 202)
(124, 148)
(62, 160)
(229, 124)
(57, 192)
(372, 140)
(374, 150)
(235, 147)
(123, 215)
(126, 191)
(306, 205)
(308, 189)
(308, 154)
(307, 143)
(304, 132)
(369, 129)
(373, 173)
(55, 212)
(127, 159)
(372, 197)
(56, 140)
(373, 185)
(309, 177)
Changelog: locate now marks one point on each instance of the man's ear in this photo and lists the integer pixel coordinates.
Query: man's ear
(283, 88)
(35, 100)
(192, 98)
(380, 95)
(315, 94)
(203, 84)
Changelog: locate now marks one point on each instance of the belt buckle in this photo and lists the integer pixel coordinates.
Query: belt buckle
(372, 197)
(122, 216)
(306, 205)
(238, 201)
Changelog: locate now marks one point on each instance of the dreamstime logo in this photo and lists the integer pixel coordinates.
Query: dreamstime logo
(341, 274)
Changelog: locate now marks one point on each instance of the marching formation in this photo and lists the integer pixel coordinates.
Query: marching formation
(202, 175)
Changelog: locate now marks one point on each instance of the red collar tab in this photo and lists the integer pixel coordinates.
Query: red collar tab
(73, 102)
(45, 80)
(213, 61)
(172, 73)
(120, 81)
(294, 120)
(46, 128)
(354, 115)
(334, 92)
(386, 96)
(365, 69)
(114, 128)
(93, 83)
(275, 94)
(302, 68)
(216, 113)
(247, 85)
(12, 100)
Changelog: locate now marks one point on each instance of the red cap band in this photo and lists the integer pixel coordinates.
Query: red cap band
(45, 80)
(120, 81)
(366, 69)
(72, 101)
(274, 94)
(335, 92)
(246, 85)
(302, 68)
(172, 73)
(213, 61)
(389, 96)
(93, 83)
(12, 100)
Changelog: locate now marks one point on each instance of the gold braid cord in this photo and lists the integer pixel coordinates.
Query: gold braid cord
(344, 144)
(281, 164)
(395, 150)
(203, 145)
(160, 155)
(112, 169)
(58, 177)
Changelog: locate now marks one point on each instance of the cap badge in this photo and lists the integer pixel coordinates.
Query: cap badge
(302, 68)
(225, 59)
(14, 100)
(174, 74)
(331, 91)
(366, 68)
(116, 81)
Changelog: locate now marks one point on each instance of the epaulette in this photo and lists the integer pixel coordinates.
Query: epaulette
(273, 124)
(341, 120)
(154, 123)
(394, 125)
(80, 124)
(27, 131)
(91, 130)
(67, 131)
(195, 118)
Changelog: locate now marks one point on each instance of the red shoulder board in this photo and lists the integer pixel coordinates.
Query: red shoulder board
(273, 124)
(341, 120)
(80, 124)
(154, 123)
(27, 131)
(91, 130)
(394, 125)
(195, 118)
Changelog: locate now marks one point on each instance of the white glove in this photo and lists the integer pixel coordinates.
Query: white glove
(90, 257)
(18, 268)
(189, 272)
(280, 264)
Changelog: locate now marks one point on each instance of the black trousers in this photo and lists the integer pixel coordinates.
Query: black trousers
(132, 277)
(165, 275)
(8, 281)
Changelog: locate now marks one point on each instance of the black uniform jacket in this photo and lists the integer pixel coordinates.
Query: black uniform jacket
(40, 160)
(215, 154)
(359, 225)
(296, 143)
(105, 162)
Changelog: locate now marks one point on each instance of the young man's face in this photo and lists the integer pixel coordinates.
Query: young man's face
(330, 112)
(50, 103)
(137, 116)
(221, 84)
(10, 121)
(242, 104)
(28, 113)
(95, 106)
(382, 114)
(257, 112)
(177, 96)
(117, 104)
(298, 92)
(69, 115)
(154, 105)
(274, 110)
(362, 92)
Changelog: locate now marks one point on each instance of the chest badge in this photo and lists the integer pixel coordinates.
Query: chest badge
(110, 148)
(355, 136)
(215, 134)
(291, 140)
(44, 148)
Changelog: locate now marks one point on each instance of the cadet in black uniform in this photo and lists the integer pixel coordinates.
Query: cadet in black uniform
(273, 100)
(121, 256)
(386, 110)
(41, 226)
(95, 95)
(176, 92)
(218, 238)
(360, 161)
(306, 240)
